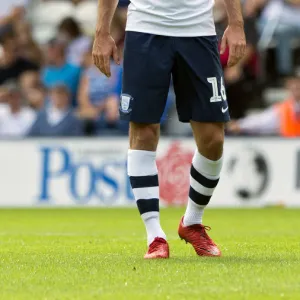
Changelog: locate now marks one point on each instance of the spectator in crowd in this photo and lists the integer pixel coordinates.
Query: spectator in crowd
(70, 31)
(281, 119)
(12, 10)
(240, 79)
(12, 64)
(279, 20)
(30, 49)
(99, 95)
(33, 90)
(58, 118)
(15, 118)
(29, 80)
(35, 97)
(59, 71)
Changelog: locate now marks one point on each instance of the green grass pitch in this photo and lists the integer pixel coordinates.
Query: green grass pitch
(98, 254)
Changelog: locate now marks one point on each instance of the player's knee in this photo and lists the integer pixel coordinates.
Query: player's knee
(144, 136)
(217, 140)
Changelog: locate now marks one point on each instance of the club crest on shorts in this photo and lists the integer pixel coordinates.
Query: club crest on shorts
(125, 105)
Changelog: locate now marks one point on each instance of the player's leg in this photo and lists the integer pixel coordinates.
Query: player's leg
(204, 177)
(147, 69)
(143, 174)
(201, 100)
(205, 170)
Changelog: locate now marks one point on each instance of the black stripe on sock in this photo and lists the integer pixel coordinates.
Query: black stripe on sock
(143, 181)
(198, 198)
(208, 183)
(148, 205)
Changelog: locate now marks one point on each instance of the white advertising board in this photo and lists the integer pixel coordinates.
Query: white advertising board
(92, 172)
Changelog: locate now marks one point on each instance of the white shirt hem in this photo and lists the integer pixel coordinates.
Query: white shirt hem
(180, 33)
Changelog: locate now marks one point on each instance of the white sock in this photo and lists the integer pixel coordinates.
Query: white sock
(193, 214)
(204, 177)
(142, 172)
(153, 228)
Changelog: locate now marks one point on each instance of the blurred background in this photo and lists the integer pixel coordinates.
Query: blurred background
(47, 75)
(49, 88)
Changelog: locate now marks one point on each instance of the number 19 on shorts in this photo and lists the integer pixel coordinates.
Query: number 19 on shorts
(216, 97)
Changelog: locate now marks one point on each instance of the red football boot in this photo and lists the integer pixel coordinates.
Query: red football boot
(159, 248)
(196, 235)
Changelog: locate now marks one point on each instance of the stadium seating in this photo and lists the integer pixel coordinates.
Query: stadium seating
(46, 16)
(86, 14)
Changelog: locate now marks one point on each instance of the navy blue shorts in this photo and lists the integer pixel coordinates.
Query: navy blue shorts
(123, 3)
(194, 64)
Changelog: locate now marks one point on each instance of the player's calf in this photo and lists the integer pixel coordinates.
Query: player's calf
(143, 136)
